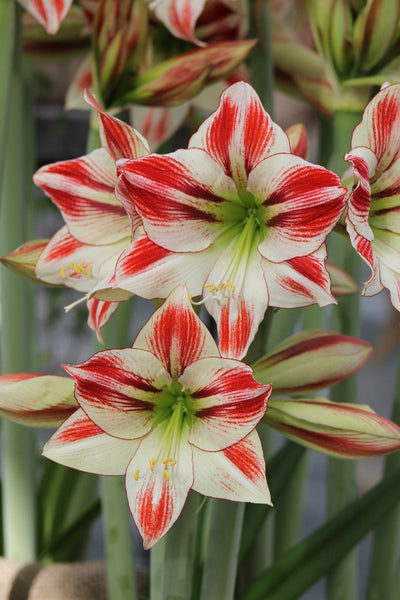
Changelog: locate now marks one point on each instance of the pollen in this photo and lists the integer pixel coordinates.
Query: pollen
(74, 269)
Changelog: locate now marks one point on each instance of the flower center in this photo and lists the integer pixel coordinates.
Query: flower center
(242, 237)
(173, 414)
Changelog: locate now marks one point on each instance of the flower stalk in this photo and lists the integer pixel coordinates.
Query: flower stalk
(17, 442)
(341, 478)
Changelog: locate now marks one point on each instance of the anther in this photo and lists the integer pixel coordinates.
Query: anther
(152, 462)
(136, 474)
(167, 476)
(62, 273)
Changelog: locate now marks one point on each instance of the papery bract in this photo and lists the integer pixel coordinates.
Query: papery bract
(171, 415)
(240, 218)
(373, 216)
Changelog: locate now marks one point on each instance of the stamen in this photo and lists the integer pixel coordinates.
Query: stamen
(136, 474)
(152, 462)
(167, 476)
(70, 306)
(62, 273)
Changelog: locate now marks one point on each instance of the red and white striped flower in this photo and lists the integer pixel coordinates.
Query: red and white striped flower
(373, 216)
(49, 13)
(171, 415)
(238, 217)
(198, 20)
(97, 228)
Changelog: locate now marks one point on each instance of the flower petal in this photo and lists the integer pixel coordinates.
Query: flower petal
(298, 282)
(333, 357)
(379, 129)
(120, 139)
(117, 389)
(158, 123)
(80, 444)
(227, 401)
(180, 196)
(239, 304)
(364, 165)
(83, 190)
(240, 133)
(179, 16)
(302, 203)
(176, 335)
(235, 473)
(49, 13)
(66, 261)
(157, 491)
(150, 271)
(36, 400)
(99, 313)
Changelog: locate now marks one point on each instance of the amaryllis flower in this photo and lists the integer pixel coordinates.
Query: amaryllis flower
(212, 19)
(170, 414)
(373, 217)
(238, 217)
(97, 228)
(48, 12)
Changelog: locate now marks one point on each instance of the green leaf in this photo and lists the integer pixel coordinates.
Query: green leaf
(311, 558)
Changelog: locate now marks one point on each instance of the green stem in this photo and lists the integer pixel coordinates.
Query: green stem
(341, 475)
(157, 555)
(120, 567)
(18, 454)
(121, 571)
(386, 542)
(222, 553)
(179, 552)
(8, 23)
(261, 61)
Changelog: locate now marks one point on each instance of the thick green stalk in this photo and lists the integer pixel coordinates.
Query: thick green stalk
(18, 451)
(7, 38)
(386, 544)
(157, 554)
(219, 575)
(341, 475)
(261, 60)
(179, 549)
(120, 565)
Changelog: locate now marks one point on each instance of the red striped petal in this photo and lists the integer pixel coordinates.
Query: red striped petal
(120, 139)
(49, 13)
(118, 389)
(176, 335)
(240, 133)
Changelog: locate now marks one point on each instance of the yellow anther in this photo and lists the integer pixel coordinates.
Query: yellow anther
(90, 271)
(152, 462)
(62, 273)
(226, 285)
(173, 462)
(167, 460)
(167, 477)
(136, 474)
(212, 286)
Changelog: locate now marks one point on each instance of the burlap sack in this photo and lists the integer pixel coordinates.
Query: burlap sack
(75, 581)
